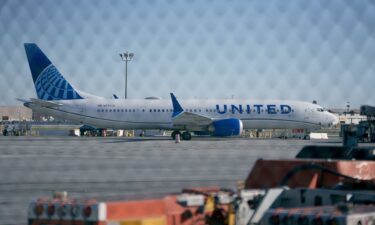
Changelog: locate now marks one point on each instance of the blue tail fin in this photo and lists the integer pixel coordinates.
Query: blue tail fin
(48, 81)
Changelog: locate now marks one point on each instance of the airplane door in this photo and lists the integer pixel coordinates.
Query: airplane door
(81, 111)
(314, 114)
(310, 114)
(307, 114)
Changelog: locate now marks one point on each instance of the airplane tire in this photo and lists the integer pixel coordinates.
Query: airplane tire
(186, 136)
(174, 133)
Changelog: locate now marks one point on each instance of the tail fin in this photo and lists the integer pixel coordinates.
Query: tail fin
(48, 81)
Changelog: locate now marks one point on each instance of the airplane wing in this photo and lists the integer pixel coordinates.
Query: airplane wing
(44, 103)
(188, 119)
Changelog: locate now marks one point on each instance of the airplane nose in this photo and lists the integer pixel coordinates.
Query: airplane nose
(333, 119)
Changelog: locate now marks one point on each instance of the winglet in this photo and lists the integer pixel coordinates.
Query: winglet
(177, 109)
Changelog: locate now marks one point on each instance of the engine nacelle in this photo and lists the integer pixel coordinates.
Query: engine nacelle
(226, 127)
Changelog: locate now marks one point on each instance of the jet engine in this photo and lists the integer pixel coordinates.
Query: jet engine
(226, 127)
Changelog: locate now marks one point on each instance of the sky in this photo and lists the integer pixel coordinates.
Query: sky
(321, 50)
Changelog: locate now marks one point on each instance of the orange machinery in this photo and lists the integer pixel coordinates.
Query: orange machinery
(311, 173)
(195, 206)
(205, 205)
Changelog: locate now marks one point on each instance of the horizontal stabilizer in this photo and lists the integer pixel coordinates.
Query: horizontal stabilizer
(44, 103)
(22, 100)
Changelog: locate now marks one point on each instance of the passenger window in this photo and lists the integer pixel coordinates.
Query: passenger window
(162, 110)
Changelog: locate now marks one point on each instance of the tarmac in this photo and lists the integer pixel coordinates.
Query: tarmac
(125, 168)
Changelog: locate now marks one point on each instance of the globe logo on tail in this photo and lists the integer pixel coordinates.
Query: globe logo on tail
(51, 85)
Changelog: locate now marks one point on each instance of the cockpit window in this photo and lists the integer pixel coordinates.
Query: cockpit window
(320, 109)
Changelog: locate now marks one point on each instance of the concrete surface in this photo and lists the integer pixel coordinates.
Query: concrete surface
(113, 168)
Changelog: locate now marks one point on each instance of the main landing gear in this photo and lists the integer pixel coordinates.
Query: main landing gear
(184, 136)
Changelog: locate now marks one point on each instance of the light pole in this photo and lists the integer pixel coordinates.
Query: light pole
(127, 56)
(347, 107)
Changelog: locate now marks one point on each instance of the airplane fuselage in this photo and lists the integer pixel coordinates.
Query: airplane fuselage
(157, 114)
(57, 97)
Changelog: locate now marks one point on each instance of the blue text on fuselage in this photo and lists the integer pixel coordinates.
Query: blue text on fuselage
(255, 108)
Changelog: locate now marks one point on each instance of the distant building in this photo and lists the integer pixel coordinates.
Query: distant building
(15, 113)
(349, 117)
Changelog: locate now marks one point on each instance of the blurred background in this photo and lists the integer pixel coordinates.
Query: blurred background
(303, 50)
(321, 50)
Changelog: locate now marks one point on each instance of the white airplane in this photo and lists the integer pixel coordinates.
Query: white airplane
(58, 98)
